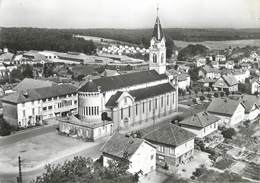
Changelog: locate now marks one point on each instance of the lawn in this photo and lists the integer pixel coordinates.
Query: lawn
(224, 163)
(38, 151)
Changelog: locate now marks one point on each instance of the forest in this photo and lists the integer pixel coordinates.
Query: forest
(63, 39)
(20, 39)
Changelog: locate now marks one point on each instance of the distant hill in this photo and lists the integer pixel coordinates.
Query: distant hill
(62, 39)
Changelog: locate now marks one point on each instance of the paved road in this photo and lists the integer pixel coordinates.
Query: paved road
(29, 133)
(92, 152)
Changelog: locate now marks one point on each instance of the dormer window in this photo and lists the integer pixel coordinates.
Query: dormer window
(154, 58)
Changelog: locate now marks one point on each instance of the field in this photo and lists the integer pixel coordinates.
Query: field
(221, 44)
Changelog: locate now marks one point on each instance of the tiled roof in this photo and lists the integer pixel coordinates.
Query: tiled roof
(223, 106)
(169, 134)
(249, 101)
(29, 83)
(40, 93)
(126, 80)
(112, 102)
(200, 120)
(149, 92)
(121, 146)
(90, 86)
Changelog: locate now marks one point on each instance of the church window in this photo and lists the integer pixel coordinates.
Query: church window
(86, 109)
(156, 103)
(167, 100)
(97, 110)
(173, 98)
(162, 58)
(136, 109)
(150, 105)
(162, 101)
(92, 110)
(154, 58)
(129, 111)
(143, 107)
(122, 113)
(89, 111)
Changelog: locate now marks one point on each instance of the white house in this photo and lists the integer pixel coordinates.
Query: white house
(254, 86)
(251, 104)
(174, 144)
(230, 111)
(209, 72)
(138, 152)
(201, 124)
(31, 106)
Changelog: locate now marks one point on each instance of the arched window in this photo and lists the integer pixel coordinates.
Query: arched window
(154, 58)
(162, 58)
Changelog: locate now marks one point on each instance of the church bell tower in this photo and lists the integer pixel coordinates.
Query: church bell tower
(157, 56)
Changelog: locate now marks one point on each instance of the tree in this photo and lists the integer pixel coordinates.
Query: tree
(169, 46)
(222, 94)
(5, 128)
(228, 133)
(192, 50)
(85, 170)
(216, 95)
(27, 71)
(202, 98)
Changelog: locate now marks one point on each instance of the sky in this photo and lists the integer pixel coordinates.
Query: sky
(130, 13)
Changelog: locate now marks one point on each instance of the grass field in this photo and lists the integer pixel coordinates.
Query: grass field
(221, 44)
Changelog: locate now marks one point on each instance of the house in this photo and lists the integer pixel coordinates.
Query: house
(32, 106)
(29, 83)
(174, 144)
(240, 74)
(215, 64)
(183, 78)
(206, 82)
(231, 112)
(254, 86)
(108, 72)
(227, 83)
(209, 72)
(199, 61)
(220, 58)
(138, 152)
(201, 124)
(251, 104)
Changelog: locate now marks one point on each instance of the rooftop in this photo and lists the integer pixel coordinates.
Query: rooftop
(121, 146)
(200, 120)
(126, 80)
(29, 83)
(40, 93)
(169, 134)
(223, 106)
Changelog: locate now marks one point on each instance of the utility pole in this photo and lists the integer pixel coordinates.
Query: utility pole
(19, 178)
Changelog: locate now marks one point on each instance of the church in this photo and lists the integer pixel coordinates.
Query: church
(123, 102)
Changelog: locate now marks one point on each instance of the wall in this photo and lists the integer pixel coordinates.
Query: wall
(143, 159)
(10, 113)
(238, 115)
(200, 133)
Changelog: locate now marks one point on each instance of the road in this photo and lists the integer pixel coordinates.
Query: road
(29, 133)
(92, 152)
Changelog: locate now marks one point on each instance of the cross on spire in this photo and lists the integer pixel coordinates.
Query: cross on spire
(157, 9)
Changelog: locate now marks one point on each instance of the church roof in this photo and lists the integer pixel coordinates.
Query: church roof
(90, 86)
(126, 80)
(157, 30)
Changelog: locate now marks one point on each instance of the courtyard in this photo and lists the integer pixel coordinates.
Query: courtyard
(37, 151)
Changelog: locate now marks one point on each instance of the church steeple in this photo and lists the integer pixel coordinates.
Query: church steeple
(157, 58)
(157, 30)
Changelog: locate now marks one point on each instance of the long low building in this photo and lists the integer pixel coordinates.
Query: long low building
(32, 106)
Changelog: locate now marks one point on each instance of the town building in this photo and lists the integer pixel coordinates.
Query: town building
(230, 111)
(252, 109)
(129, 100)
(140, 153)
(174, 144)
(226, 83)
(209, 72)
(200, 61)
(201, 124)
(32, 106)
(254, 86)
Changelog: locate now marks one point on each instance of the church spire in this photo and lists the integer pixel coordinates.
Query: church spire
(157, 30)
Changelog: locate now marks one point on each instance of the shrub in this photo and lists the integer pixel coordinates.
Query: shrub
(5, 128)
(222, 94)
(202, 98)
(209, 96)
(228, 133)
(216, 95)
